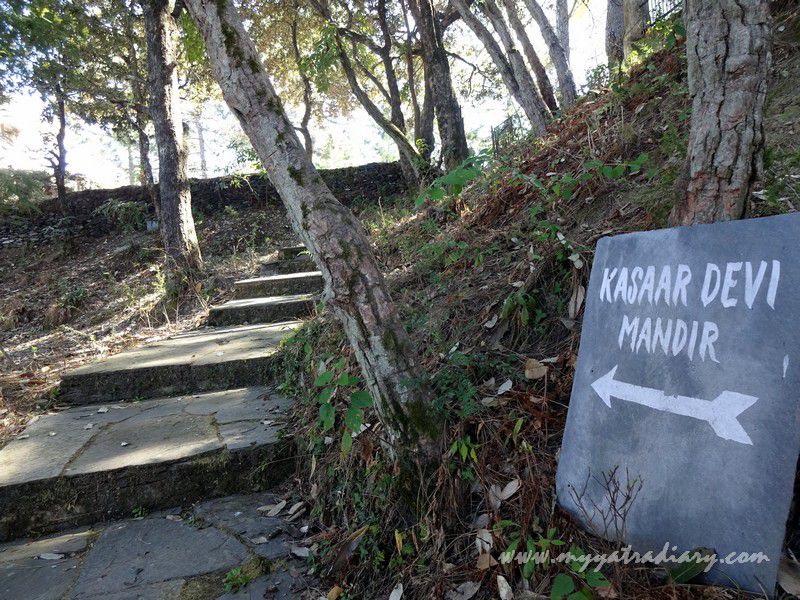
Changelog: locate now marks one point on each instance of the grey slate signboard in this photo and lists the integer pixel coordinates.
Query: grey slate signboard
(686, 394)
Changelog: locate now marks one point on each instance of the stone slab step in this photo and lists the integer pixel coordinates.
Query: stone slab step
(301, 264)
(261, 310)
(90, 464)
(198, 361)
(279, 285)
(291, 252)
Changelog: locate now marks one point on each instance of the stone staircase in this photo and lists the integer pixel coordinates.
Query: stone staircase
(187, 418)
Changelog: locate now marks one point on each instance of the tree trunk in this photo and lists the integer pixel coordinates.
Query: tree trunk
(145, 168)
(437, 69)
(60, 163)
(636, 16)
(566, 83)
(355, 288)
(728, 50)
(519, 90)
(307, 89)
(140, 115)
(177, 223)
(424, 131)
(542, 79)
(201, 142)
(539, 114)
(562, 25)
(131, 165)
(615, 29)
(409, 157)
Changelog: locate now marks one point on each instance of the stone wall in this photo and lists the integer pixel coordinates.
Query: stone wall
(366, 182)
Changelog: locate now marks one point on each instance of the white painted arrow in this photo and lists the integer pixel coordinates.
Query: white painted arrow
(720, 413)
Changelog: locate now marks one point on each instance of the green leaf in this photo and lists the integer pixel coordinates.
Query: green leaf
(687, 571)
(326, 415)
(360, 399)
(347, 442)
(563, 585)
(345, 379)
(596, 579)
(323, 379)
(325, 395)
(353, 419)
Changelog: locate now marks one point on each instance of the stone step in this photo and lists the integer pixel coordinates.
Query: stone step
(261, 310)
(90, 464)
(291, 252)
(279, 285)
(301, 264)
(198, 361)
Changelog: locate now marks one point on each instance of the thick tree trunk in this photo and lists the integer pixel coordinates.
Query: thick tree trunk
(355, 287)
(728, 50)
(542, 79)
(520, 90)
(615, 29)
(437, 69)
(177, 223)
(636, 16)
(566, 82)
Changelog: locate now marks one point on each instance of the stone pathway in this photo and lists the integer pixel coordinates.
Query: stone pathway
(169, 555)
(183, 420)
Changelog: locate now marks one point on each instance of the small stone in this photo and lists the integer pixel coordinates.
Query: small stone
(123, 444)
(52, 434)
(102, 409)
(88, 426)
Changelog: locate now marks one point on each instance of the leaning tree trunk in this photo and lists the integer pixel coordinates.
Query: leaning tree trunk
(566, 83)
(636, 16)
(542, 79)
(355, 287)
(615, 29)
(437, 68)
(728, 50)
(177, 223)
(522, 91)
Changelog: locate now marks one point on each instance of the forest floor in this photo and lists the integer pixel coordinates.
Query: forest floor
(490, 282)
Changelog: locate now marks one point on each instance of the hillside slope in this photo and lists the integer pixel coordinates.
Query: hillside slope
(490, 282)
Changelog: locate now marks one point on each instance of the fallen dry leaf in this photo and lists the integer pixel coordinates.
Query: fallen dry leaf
(504, 589)
(464, 592)
(534, 369)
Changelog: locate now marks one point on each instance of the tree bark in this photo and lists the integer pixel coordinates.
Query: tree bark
(355, 288)
(728, 47)
(566, 83)
(139, 118)
(423, 111)
(437, 69)
(131, 165)
(615, 29)
(562, 26)
(177, 223)
(520, 90)
(636, 15)
(201, 142)
(60, 163)
(542, 79)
